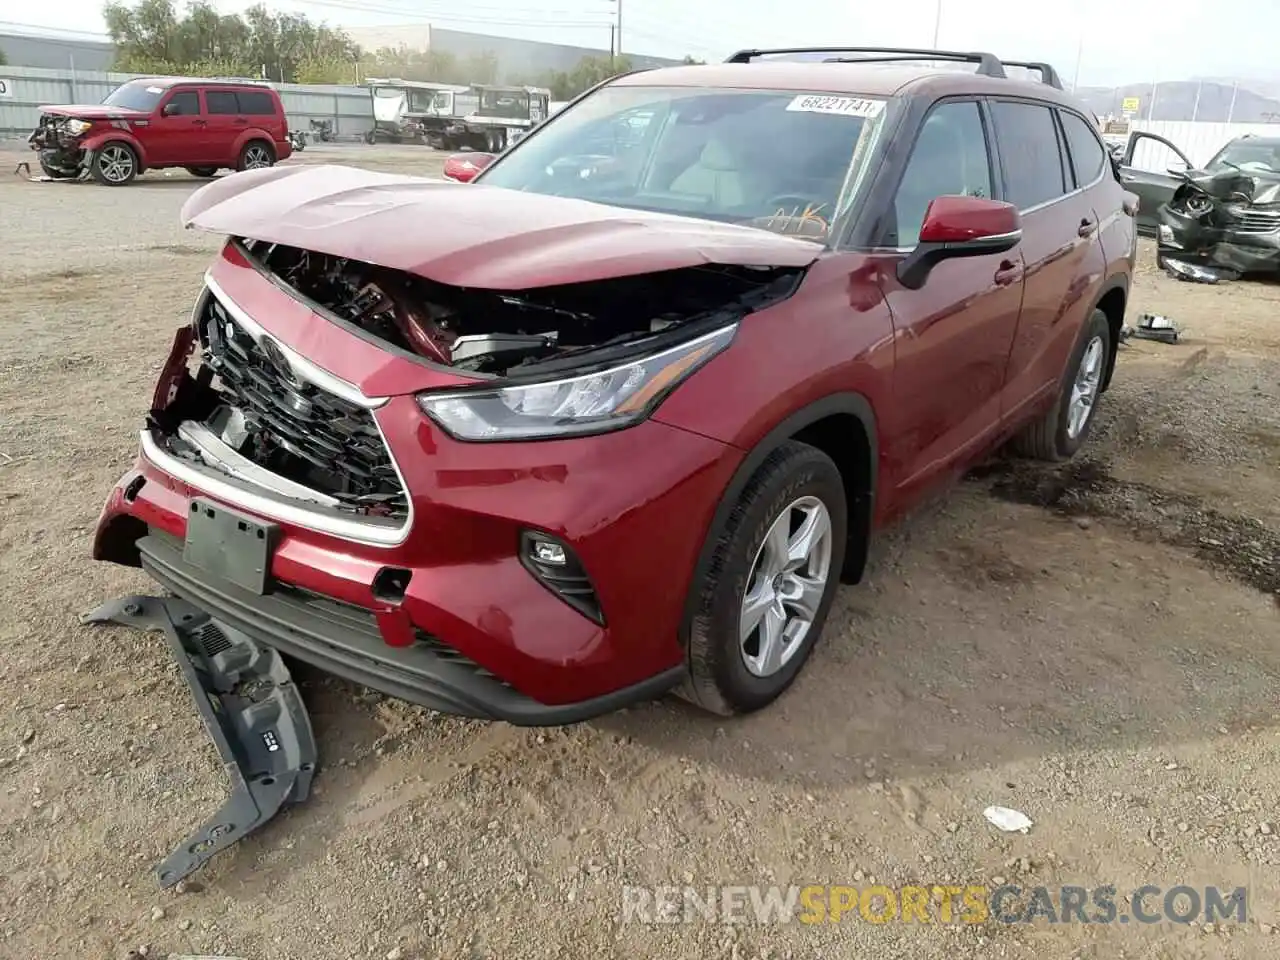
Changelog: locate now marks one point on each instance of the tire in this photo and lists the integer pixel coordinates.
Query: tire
(202, 171)
(370, 136)
(1056, 436)
(255, 155)
(114, 164)
(57, 173)
(725, 675)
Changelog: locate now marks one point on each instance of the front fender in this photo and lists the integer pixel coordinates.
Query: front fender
(96, 141)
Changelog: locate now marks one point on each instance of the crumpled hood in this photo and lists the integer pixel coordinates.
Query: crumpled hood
(471, 235)
(95, 111)
(1261, 187)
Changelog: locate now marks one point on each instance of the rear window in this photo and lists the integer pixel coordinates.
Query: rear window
(256, 103)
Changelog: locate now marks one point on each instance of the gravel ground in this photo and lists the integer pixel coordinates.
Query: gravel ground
(1095, 646)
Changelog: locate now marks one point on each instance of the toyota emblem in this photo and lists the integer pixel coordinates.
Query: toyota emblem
(277, 359)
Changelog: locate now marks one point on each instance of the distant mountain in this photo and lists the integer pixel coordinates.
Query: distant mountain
(1176, 100)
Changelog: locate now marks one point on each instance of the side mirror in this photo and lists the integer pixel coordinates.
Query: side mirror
(171, 110)
(464, 167)
(960, 227)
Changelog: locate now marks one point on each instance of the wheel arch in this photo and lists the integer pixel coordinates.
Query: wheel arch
(252, 134)
(841, 425)
(96, 143)
(1112, 300)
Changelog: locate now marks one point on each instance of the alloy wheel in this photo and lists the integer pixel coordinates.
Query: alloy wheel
(1084, 390)
(785, 588)
(115, 163)
(256, 157)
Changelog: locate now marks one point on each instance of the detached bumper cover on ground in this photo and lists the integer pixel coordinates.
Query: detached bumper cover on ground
(250, 707)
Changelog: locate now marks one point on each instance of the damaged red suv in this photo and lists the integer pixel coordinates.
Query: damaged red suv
(618, 417)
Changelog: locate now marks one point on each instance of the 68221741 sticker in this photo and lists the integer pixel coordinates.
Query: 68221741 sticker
(841, 106)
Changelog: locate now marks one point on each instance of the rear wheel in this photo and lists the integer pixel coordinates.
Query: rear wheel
(202, 171)
(255, 155)
(114, 164)
(773, 576)
(1063, 430)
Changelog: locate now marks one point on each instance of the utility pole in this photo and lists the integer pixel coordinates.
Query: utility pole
(937, 22)
(612, 55)
(1075, 81)
(1231, 110)
(619, 3)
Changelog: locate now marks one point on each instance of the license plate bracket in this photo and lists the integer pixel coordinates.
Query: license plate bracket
(230, 544)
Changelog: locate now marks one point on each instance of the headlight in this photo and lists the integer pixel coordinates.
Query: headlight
(593, 403)
(77, 127)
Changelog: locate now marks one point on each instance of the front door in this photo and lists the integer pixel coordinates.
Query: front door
(177, 130)
(1145, 170)
(953, 335)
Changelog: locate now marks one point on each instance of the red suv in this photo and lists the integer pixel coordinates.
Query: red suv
(202, 125)
(619, 416)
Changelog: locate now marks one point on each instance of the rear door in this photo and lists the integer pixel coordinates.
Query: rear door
(177, 132)
(1060, 246)
(1145, 170)
(222, 109)
(953, 334)
(258, 108)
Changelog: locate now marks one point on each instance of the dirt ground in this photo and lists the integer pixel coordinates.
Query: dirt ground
(1098, 647)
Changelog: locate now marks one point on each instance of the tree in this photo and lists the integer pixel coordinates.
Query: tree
(690, 61)
(150, 37)
(565, 85)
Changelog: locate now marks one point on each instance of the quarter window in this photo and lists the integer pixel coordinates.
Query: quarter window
(1033, 168)
(221, 102)
(1087, 155)
(949, 159)
(255, 103)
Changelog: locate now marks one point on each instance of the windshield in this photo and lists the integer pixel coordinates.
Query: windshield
(135, 95)
(1261, 157)
(743, 156)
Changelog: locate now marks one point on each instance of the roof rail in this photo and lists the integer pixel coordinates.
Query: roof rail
(1047, 73)
(259, 81)
(988, 64)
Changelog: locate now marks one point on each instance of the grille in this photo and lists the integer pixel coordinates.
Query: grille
(298, 430)
(1257, 221)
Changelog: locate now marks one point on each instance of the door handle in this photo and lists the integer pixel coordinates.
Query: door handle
(1087, 227)
(1008, 272)
(199, 123)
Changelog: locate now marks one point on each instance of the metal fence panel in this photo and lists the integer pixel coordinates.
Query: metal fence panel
(346, 107)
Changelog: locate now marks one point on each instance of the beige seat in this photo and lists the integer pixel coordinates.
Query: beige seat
(720, 177)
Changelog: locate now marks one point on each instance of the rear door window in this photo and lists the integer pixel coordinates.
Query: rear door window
(950, 158)
(1033, 168)
(255, 103)
(221, 102)
(1087, 154)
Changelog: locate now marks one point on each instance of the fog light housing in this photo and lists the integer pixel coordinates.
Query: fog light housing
(554, 565)
(1166, 234)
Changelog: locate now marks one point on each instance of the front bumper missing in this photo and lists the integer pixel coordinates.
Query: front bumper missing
(251, 709)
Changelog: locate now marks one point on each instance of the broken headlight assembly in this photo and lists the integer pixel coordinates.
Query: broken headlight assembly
(608, 399)
(74, 128)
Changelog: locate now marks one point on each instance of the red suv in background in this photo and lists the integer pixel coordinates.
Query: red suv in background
(201, 125)
(619, 416)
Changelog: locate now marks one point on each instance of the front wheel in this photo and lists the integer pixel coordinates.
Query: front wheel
(772, 578)
(205, 172)
(114, 164)
(1063, 430)
(255, 155)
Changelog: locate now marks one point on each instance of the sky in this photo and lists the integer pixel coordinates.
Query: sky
(1150, 40)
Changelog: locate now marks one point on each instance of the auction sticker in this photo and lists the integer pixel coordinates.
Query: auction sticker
(845, 106)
